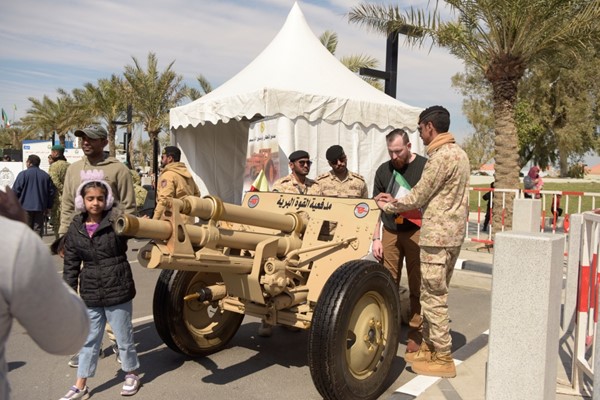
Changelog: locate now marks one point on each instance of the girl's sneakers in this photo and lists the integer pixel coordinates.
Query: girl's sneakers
(131, 385)
(76, 394)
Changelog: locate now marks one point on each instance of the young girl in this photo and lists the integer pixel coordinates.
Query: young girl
(105, 281)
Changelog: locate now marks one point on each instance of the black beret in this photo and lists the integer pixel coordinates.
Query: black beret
(334, 153)
(298, 154)
(428, 112)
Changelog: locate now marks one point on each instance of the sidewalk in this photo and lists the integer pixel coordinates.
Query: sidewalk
(471, 360)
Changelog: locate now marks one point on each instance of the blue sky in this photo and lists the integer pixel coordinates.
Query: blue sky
(66, 43)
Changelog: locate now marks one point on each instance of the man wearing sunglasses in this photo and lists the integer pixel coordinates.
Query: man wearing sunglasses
(297, 181)
(340, 182)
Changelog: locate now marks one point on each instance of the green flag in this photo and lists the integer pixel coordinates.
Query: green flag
(399, 187)
(5, 120)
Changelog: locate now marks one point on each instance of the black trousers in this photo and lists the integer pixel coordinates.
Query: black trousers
(35, 220)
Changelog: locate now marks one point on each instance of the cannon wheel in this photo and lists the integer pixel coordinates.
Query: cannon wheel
(354, 335)
(191, 327)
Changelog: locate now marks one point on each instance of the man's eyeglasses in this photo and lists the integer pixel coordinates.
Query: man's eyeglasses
(304, 162)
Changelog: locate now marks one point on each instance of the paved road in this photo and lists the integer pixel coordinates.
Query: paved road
(250, 368)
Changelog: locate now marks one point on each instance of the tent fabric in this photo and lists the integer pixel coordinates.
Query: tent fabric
(296, 80)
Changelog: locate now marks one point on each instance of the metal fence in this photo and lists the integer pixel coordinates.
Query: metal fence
(557, 208)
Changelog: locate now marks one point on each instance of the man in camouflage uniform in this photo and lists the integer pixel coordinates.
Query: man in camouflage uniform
(57, 172)
(297, 181)
(339, 182)
(442, 193)
(174, 181)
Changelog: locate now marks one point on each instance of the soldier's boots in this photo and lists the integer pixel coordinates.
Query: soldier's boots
(423, 354)
(440, 365)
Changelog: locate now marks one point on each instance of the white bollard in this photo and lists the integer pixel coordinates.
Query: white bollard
(527, 215)
(525, 316)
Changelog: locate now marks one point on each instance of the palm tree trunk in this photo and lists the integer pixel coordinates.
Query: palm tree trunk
(112, 133)
(506, 144)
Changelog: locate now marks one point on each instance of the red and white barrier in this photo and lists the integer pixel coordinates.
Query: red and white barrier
(584, 351)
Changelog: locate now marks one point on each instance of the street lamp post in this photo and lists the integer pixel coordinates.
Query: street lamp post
(127, 135)
(390, 75)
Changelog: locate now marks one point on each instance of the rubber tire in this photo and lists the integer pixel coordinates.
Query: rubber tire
(191, 328)
(357, 292)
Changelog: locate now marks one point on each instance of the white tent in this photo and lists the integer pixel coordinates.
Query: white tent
(300, 94)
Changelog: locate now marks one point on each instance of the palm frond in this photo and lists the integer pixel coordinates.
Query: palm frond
(329, 39)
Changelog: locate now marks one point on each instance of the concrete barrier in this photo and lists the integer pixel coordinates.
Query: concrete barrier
(525, 316)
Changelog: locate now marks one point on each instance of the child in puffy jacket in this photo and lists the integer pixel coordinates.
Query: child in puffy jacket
(95, 263)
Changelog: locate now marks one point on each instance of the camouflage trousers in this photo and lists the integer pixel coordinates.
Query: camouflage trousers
(437, 266)
(55, 218)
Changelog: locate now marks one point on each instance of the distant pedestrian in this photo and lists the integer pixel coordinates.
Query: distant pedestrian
(555, 208)
(96, 263)
(174, 181)
(443, 194)
(339, 181)
(532, 181)
(35, 191)
(57, 172)
(488, 210)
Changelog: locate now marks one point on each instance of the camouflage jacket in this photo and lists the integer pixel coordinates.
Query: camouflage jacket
(175, 181)
(289, 184)
(57, 172)
(353, 186)
(443, 194)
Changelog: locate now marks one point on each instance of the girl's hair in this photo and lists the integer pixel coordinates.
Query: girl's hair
(91, 179)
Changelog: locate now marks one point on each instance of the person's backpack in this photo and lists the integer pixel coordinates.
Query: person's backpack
(528, 182)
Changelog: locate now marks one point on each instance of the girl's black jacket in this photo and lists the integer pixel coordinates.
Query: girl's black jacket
(104, 279)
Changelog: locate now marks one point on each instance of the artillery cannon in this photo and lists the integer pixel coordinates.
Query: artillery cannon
(288, 259)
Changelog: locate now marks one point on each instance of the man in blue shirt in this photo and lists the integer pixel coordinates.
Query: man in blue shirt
(35, 191)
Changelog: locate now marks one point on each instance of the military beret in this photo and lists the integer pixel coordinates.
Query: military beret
(428, 112)
(334, 153)
(57, 147)
(298, 154)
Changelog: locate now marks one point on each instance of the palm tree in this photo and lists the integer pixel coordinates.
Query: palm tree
(205, 87)
(354, 63)
(47, 116)
(502, 38)
(107, 102)
(152, 93)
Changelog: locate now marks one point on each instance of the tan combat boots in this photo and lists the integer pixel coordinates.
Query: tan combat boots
(439, 364)
(423, 354)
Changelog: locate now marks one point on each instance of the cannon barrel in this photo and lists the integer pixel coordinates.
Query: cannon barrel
(211, 207)
(200, 235)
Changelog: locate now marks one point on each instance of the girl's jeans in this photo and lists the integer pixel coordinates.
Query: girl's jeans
(119, 317)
